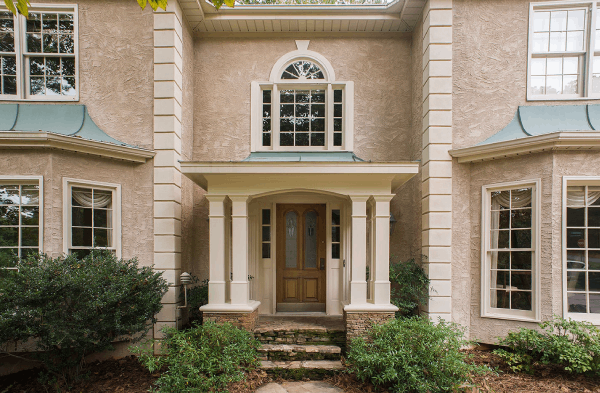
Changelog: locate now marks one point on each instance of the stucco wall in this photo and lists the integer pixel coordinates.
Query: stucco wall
(136, 194)
(490, 82)
(383, 70)
(116, 74)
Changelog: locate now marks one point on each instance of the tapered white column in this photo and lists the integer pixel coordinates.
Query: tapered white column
(381, 265)
(217, 279)
(358, 284)
(239, 249)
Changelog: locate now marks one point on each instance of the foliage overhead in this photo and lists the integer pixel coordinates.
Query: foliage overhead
(201, 359)
(71, 307)
(572, 345)
(413, 355)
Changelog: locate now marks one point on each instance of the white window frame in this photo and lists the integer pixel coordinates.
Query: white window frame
(30, 180)
(23, 68)
(486, 310)
(276, 84)
(573, 181)
(68, 184)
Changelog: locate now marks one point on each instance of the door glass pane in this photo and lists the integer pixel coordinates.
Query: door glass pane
(291, 240)
(310, 240)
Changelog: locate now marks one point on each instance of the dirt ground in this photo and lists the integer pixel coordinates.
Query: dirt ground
(129, 376)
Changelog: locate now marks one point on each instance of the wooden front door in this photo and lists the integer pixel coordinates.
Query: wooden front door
(301, 257)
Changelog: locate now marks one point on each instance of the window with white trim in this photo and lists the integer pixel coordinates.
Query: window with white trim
(302, 109)
(582, 250)
(92, 218)
(510, 252)
(20, 221)
(38, 54)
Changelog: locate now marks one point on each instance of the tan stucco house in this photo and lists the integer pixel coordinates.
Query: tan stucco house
(268, 148)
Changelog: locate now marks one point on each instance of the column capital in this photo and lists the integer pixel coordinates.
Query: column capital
(359, 198)
(215, 197)
(383, 197)
(239, 198)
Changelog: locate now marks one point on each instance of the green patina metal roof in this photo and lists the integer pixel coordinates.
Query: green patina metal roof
(546, 119)
(312, 156)
(64, 119)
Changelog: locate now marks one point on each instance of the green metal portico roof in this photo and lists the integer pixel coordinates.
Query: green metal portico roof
(64, 119)
(312, 156)
(546, 119)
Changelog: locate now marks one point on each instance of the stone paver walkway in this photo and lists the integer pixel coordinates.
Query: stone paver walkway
(299, 387)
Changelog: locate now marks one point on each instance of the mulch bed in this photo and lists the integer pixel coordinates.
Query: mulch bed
(129, 376)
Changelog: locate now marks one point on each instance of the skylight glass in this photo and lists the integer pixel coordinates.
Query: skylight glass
(311, 2)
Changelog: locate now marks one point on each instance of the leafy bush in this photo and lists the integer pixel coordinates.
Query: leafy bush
(410, 286)
(412, 355)
(197, 296)
(201, 359)
(573, 345)
(73, 307)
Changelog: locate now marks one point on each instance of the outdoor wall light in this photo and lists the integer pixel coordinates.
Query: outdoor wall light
(393, 222)
(185, 279)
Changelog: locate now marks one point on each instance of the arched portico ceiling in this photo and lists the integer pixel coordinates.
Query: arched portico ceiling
(259, 178)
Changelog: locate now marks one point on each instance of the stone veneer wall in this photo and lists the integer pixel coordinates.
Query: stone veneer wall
(357, 324)
(242, 320)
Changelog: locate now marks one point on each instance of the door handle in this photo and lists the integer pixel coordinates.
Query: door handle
(322, 264)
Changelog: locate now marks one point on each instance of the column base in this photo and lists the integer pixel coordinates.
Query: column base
(245, 321)
(357, 323)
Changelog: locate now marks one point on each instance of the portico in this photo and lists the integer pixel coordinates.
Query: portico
(298, 235)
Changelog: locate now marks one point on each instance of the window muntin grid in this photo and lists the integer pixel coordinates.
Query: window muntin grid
(511, 253)
(267, 128)
(91, 220)
(19, 222)
(302, 117)
(302, 69)
(43, 62)
(583, 249)
(336, 230)
(266, 233)
(8, 55)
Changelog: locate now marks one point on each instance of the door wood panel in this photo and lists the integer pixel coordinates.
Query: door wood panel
(301, 252)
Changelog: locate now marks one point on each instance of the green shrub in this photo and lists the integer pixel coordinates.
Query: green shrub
(201, 359)
(73, 307)
(410, 286)
(573, 345)
(412, 355)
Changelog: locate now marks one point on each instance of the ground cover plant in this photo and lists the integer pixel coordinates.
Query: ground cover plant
(572, 345)
(412, 355)
(203, 358)
(69, 307)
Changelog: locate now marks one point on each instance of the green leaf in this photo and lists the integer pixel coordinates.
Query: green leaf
(217, 3)
(11, 6)
(230, 3)
(142, 3)
(23, 6)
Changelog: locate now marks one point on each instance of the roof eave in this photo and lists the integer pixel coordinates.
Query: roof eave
(48, 140)
(570, 140)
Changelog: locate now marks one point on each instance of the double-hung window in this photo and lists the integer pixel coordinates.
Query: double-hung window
(92, 218)
(38, 54)
(510, 273)
(564, 51)
(581, 249)
(20, 219)
(302, 109)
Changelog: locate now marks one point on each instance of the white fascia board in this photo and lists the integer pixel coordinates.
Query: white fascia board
(47, 140)
(572, 140)
(245, 167)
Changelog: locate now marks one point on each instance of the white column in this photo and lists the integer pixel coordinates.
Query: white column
(358, 285)
(217, 279)
(239, 249)
(381, 246)
(437, 163)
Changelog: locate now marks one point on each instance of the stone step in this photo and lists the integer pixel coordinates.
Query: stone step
(316, 335)
(299, 352)
(312, 369)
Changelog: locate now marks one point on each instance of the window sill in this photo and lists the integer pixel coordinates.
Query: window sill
(511, 317)
(40, 99)
(584, 317)
(560, 98)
